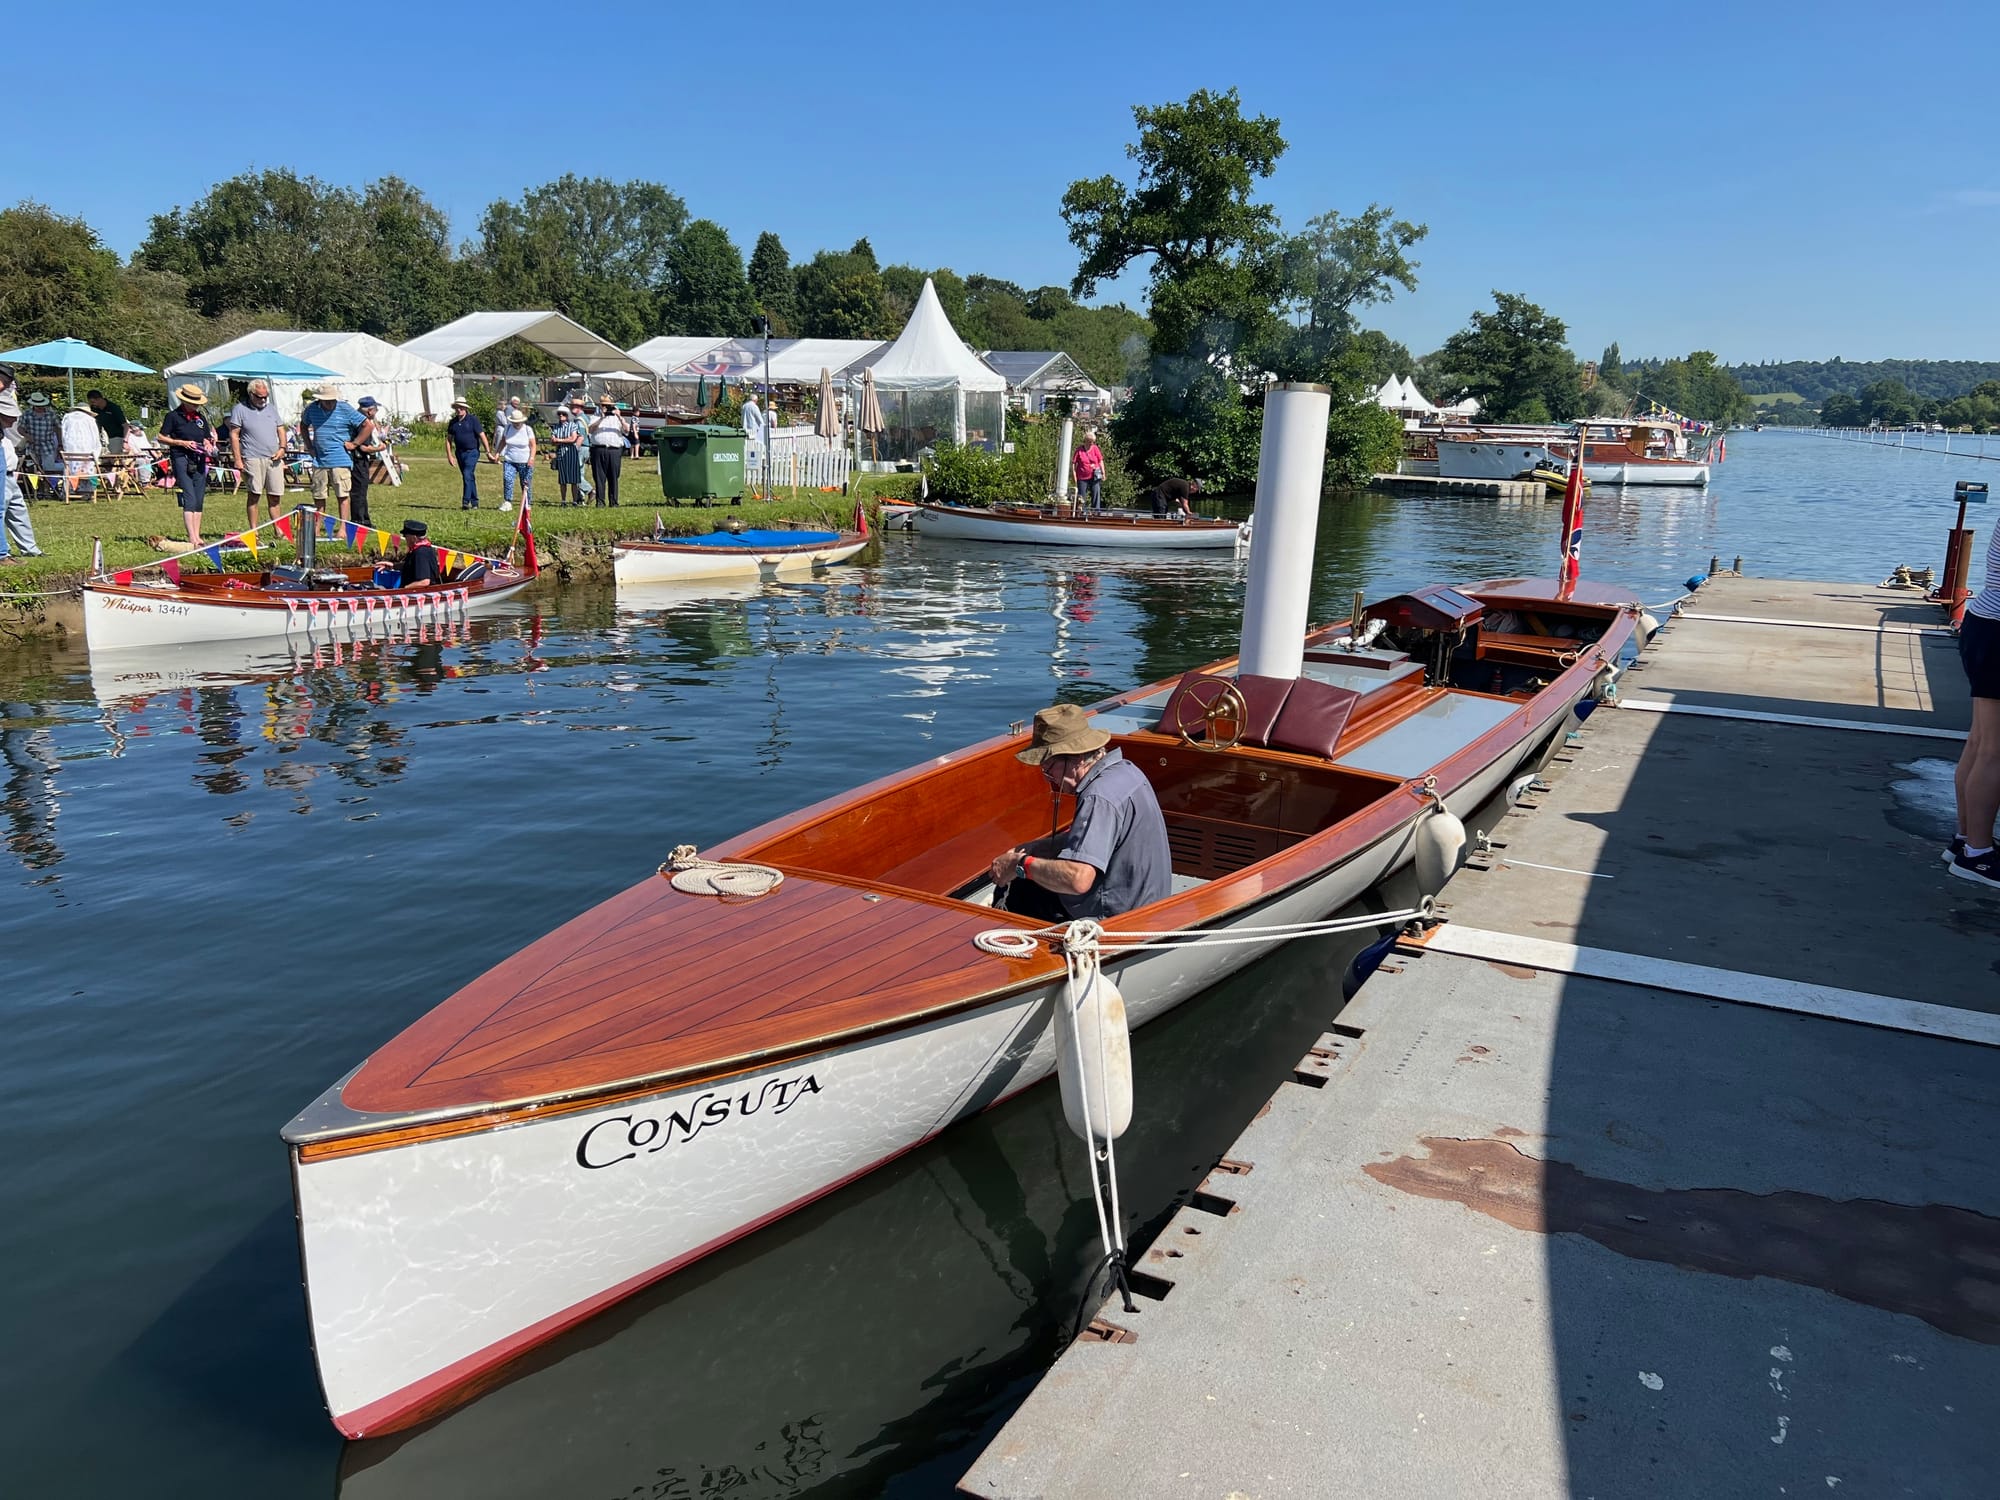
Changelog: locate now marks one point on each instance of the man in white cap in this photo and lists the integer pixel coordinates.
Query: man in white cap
(330, 428)
(1113, 857)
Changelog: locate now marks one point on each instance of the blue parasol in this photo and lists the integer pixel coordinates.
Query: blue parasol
(267, 364)
(72, 355)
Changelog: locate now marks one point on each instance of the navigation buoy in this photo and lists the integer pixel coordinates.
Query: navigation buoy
(1094, 1045)
(1439, 849)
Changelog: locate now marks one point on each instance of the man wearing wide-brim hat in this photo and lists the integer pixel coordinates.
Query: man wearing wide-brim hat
(190, 444)
(1113, 857)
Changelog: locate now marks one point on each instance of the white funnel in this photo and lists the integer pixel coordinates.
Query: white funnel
(1291, 470)
(1062, 459)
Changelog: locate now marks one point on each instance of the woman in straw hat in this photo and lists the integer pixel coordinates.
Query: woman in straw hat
(190, 443)
(1113, 856)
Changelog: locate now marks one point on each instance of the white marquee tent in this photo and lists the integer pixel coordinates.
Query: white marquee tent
(408, 385)
(933, 387)
(667, 353)
(563, 338)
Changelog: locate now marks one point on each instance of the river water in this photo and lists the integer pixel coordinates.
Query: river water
(232, 875)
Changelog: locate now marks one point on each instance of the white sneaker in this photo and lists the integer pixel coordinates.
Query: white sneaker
(506, 505)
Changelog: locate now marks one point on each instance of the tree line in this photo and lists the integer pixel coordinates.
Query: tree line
(1889, 403)
(1815, 380)
(274, 249)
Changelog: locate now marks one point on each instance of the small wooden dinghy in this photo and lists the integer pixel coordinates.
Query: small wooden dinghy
(1048, 526)
(746, 553)
(122, 609)
(689, 1061)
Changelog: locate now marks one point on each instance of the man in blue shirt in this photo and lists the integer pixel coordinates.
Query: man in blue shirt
(1113, 857)
(465, 440)
(329, 426)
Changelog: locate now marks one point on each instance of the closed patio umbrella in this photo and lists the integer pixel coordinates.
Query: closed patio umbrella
(71, 355)
(827, 423)
(870, 421)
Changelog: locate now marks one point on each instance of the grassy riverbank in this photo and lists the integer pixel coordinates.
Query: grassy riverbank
(429, 493)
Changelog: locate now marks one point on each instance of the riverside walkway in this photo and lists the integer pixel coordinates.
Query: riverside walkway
(1666, 1166)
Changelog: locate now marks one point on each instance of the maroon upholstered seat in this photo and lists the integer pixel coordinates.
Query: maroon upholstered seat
(1263, 700)
(1313, 715)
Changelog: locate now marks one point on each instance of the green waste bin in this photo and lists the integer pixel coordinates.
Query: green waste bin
(701, 462)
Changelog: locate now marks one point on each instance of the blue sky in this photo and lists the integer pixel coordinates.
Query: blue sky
(1765, 181)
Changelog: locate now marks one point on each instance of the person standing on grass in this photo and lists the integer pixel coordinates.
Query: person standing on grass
(368, 442)
(10, 413)
(570, 437)
(110, 420)
(190, 444)
(41, 435)
(464, 441)
(257, 447)
(517, 459)
(1977, 781)
(81, 441)
(609, 435)
(329, 426)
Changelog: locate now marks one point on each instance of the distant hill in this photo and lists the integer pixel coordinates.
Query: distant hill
(1815, 380)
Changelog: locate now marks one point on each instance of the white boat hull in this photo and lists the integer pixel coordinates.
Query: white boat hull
(1152, 536)
(121, 618)
(430, 1263)
(648, 565)
(1491, 459)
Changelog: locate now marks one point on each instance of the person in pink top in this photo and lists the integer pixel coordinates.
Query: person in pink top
(1087, 463)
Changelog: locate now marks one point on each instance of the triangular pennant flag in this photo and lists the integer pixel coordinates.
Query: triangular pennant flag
(525, 529)
(123, 575)
(249, 540)
(284, 525)
(171, 569)
(213, 554)
(352, 532)
(382, 540)
(329, 526)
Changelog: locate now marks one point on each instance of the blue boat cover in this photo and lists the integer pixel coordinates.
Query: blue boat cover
(758, 539)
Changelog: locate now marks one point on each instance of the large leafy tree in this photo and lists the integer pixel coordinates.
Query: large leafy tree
(1331, 270)
(707, 291)
(771, 283)
(412, 289)
(1515, 361)
(586, 246)
(1215, 275)
(56, 280)
(840, 296)
(272, 240)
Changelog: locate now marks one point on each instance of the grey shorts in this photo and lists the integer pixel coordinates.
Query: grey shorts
(264, 476)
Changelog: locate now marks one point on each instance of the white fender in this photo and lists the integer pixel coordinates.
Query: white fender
(1439, 849)
(1094, 1046)
(1649, 626)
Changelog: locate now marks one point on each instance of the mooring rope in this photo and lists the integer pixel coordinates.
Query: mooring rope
(687, 872)
(1016, 942)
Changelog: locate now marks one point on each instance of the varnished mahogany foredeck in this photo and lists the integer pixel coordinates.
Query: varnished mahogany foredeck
(655, 981)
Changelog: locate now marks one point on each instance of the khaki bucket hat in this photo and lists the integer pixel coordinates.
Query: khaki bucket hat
(1063, 729)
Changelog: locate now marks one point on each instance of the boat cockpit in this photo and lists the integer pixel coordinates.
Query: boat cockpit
(1243, 766)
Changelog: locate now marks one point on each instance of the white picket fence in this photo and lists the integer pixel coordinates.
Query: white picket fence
(800, 456)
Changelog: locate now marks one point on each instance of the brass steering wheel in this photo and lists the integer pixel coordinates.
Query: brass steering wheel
(1224, 705)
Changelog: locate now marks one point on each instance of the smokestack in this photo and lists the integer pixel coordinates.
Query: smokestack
(1291, 471)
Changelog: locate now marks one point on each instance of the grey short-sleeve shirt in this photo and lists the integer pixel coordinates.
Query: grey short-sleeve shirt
(1120, 833)
(259, 426)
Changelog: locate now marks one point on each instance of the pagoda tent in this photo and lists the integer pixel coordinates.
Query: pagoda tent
(1413, 399)
(933, 388)
(407, 385)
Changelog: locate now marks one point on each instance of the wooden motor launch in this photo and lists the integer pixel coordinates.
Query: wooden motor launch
(752, 1028)
(738, 553)
(177, 605)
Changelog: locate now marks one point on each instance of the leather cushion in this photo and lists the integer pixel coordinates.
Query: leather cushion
(1312, 718)
(1263, 700)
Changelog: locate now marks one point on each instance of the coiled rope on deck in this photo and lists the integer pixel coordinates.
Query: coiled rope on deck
(686, 871)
